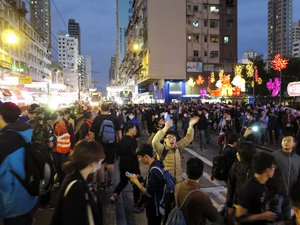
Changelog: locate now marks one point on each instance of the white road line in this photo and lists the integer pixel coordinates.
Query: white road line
(206, 161)
(207, 176)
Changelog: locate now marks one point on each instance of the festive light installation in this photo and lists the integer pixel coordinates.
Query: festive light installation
(191, 82)
(212, 77)
(279, 63)
(200, 80)
(238, 79)
(249, 69)
(274, 86)
(203, 93)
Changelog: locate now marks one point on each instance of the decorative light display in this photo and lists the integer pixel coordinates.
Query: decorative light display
(256, 74)
(200, 80)
(279, 63)
(274, 86)
(212, 77)
(249, 69)
(191, 82)
(238, 79)
(203, 93)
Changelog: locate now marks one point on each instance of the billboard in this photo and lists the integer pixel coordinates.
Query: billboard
(194, 67)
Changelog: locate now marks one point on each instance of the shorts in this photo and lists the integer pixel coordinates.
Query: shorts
(110, 153)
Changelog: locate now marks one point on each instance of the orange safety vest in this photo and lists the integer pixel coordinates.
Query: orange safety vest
(63, 139)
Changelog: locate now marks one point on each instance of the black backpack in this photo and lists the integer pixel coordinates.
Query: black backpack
(38, 166)
(218, 169)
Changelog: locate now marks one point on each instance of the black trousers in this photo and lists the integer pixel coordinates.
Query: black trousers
(124, 181)
(152, 218)
(25, 219)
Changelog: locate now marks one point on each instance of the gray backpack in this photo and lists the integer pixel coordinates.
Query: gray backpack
(176, 217)
(107, 132)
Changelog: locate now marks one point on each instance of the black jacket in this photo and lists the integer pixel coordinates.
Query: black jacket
(72, 208)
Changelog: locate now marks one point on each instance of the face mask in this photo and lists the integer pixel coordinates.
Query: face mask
(131, 117)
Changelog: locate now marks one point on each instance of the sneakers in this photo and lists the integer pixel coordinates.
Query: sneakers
(113, 198)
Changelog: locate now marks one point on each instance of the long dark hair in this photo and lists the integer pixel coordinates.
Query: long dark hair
(84, 153)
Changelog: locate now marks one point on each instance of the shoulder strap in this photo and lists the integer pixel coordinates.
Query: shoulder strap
(69, 187)
(163, 154)
(160, 170)
(186, 197)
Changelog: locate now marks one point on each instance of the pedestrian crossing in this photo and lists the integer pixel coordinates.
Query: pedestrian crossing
(216, 190)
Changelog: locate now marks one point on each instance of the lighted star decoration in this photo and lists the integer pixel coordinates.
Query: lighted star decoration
(200, 80)
(212, 77)
(203, 93)
(279, 63)
(274, 86)
(249, 69)
(191, 82)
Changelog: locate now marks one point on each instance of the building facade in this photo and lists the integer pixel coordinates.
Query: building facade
(88, 70)
(82, 76)
(40, 18)
(68, 56)
(74, 31)
(279, 28)
(165, 48)
(296, 49)
(30, 56)
(111, 74)
(248, 55)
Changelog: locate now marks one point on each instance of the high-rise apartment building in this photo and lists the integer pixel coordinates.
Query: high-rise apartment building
(74, 31)
(88, 70)
(40, 18)
(279, 28)
(211, 34)
(248, 55)
(83, 81)
(68, 52)
(296, 31)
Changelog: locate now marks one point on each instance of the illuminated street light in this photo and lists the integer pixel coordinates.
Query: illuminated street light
(9, 37)
(136, 47)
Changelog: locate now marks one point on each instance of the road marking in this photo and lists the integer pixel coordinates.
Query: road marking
(207, 176)
(205, 160)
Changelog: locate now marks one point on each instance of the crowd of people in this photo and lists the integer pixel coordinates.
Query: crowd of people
(261, 187)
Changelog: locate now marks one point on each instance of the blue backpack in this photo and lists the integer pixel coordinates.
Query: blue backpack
(169, 188)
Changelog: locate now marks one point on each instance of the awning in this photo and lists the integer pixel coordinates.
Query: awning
(5, 92)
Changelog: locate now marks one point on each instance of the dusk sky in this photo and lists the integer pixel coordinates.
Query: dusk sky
(97, 19)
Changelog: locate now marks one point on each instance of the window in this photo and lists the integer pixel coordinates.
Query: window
(214, 23)
(196, 53)
(205, 38)
(195, 8)
(226, 39)
(189, 7)
(205, 6)
(214, 39)
(229, 10)
(196, 37)
(214, 54)
(229, 24)
(205, 53)
(214, 9)
(196, 23)
(205, 23)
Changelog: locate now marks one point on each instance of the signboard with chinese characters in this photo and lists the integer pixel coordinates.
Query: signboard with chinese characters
(25, 80)
(194, 67)
(124, 16)
(293, 89)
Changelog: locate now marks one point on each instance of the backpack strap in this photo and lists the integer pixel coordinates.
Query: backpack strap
(163, 154)
(160, 170)
(186, 197)
(69, 187)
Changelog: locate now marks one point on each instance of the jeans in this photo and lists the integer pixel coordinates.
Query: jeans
(202, 135)
(282, 207)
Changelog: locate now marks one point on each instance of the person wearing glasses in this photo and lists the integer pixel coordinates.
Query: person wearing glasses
(77, 205)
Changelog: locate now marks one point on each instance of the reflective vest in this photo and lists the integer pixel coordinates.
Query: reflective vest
(63, 139)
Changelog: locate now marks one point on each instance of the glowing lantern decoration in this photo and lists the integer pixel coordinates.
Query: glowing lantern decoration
(255, 74)
(200, 80)
(250, 69)
(191, 82)
(203, 93)
(274, 86)
(212, 77)
(259, 81)
(279, 63)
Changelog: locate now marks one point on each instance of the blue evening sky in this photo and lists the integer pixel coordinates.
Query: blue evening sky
(97, 19)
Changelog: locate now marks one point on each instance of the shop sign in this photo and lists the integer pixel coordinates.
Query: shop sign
(25, 80)
(5, 64)
(293, 89)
